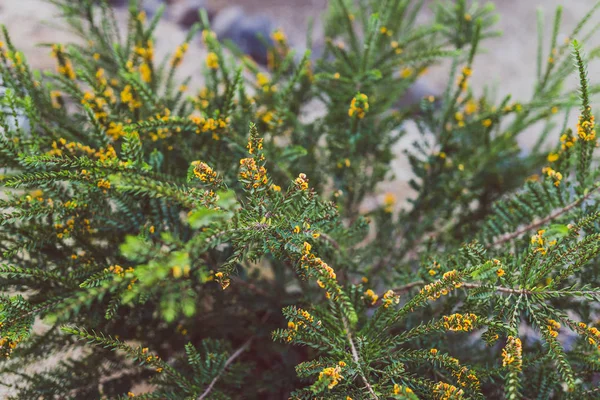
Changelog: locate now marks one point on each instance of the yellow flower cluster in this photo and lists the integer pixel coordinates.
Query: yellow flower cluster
(586, 128)
(304, 318)
(224, 282)
(359, 106)
(263, 81)
(208, 35)
(68, 227)
(390, 298)
(555, 175)
(147, 55)
(592, 332)
(434, 268)
(406, 72)
(512, 354)
(115, 130)
(396, 46)
(441, 287)
(7, 346)
(128, 98)
(62, 146)
(118, 270)
(103, 184)
(541, 243)
(98, 102)
(385, 31)
(471, 107)
(301, 182)
(56, 99)
(178, 56)
(553, 327)
(65, 68)
(552, 157)
(332, 374)
(203, 98)
(253, 145)
(389, 201)
(253, 175)
(398, 389)
(463, 79)
(567, 141)
(459, 322)
(371, 296)
(309, 260)
(279, 36)
(446, 391)
(212, 60)
(178, 272)
(209, 125)
(204, 172)
(466, 377)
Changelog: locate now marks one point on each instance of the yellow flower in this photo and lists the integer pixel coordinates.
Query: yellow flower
(389, 201)
(279, 36)
(512, 353)
(262, 79)
(146, 73)
(178, 56)
(486, 123)
(471, 107)
(500, 272)
(333, 375)
(552, 157)
(370, 295)
(301, 182)
(177, 271)
(359, 106)
(406, 72)
(212, 60)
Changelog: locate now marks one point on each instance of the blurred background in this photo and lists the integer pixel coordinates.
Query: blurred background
(506, 64)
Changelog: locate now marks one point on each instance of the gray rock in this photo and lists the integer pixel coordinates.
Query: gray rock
(250, 33)
(186, 13)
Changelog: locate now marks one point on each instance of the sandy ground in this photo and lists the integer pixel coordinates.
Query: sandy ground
(509, 61)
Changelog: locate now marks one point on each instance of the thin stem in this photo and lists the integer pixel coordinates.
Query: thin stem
(356, 358)
(230, 360)
(543, 221)
(500, 289)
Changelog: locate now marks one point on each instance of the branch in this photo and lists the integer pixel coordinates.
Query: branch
(356, 357)
(230, 360)
(408, 286)
(331, 240)
(509, 236)
(500, 289)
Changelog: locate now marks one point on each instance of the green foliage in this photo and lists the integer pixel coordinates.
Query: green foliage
(214, 244)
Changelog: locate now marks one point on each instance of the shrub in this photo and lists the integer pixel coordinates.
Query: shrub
(212, 245)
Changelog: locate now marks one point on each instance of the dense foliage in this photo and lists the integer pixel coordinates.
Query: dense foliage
(212, 245)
